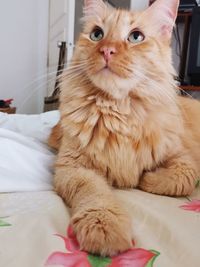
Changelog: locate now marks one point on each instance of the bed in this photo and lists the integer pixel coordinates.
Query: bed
(34, 222)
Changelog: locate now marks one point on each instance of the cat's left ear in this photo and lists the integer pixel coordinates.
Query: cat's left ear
(163, 14)
(94, 8)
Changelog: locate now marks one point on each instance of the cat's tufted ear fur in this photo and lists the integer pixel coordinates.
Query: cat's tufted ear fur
(163, 14)
(94, 8)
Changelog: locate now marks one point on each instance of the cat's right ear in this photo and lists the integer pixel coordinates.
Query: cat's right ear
(162, 13)
(94, 8)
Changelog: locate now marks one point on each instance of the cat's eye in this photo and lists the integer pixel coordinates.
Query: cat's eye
(97, 34)
(136, 37)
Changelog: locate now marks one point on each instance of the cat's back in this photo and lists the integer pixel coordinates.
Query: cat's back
(190, 109)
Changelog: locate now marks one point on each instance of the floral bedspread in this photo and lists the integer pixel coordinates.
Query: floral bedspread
(35, 232)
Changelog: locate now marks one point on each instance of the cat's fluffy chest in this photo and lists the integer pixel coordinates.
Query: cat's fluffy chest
(120, 139)
(118, 144)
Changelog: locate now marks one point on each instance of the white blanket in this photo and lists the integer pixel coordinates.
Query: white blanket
(26, 164)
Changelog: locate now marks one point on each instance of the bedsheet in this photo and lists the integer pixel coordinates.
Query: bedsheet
(33, 231)
(34, 226)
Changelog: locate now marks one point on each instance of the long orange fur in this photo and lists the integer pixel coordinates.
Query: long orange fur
(124, 126)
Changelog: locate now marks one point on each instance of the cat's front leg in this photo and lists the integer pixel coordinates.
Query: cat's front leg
(98, 219)
(175, 178)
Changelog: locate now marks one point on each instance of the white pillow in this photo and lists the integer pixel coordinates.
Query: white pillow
(36, 126)
(26, 162)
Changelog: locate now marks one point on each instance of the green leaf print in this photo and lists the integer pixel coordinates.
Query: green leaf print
(197, 183)
(3, 223)
(96, 261)
(151, 262)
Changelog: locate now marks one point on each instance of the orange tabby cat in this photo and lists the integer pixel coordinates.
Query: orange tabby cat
(122, 122)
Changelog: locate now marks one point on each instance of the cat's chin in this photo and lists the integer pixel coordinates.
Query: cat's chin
(111, 83)
(107, 71)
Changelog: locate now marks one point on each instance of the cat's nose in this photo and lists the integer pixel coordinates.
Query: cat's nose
(107, 52)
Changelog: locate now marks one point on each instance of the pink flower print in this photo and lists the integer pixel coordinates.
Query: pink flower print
(68, 259)
(194, 205)
(74, 257)
(71, 242)
(137, 257)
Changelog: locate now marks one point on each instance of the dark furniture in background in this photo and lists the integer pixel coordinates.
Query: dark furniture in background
(185, 18)
(52, 102)
(194, 49)
(189, 70)
(189, 61)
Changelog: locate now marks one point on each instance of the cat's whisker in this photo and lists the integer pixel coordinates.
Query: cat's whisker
(41, 77)
(162, 94)
(69, 67)
(38, 86)
(74, 62)
(76, 65)
(157, 92)
(38, 79)
(35, 91)
(28, 97)
(186, 93)
(75, 68)
(65, 64)
(69, 79)
(70, 71)
(71, 76)
(82, 82)
(78, 61)
(44, 84)
(48, 73)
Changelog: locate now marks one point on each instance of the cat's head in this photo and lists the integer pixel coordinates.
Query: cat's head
(120, 49)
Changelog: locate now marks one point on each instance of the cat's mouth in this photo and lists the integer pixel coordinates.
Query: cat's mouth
(107, 70)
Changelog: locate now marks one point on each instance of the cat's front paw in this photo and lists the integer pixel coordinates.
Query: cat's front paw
(102, 231)
(168, 182)
(151, 183)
